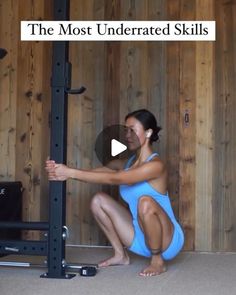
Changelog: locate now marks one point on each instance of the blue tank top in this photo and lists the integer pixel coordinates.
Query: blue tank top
(131, 194)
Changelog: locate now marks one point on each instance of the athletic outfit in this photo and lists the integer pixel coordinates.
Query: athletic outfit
(131, 195)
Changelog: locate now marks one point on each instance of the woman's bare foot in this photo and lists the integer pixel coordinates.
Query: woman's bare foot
(117, 259)
(156, 267)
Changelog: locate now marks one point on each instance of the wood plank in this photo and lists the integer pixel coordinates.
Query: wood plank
(74, 123)
(204, 132)
(9, 32)
(29, 117)
(46, 107)
(218, 203)
(156, 77)
(172, 110)
(224, 161)
(134, 63)
(231, 222)
(111, 100)
(187, 129)
(80, 136)
(87, 60)
(81, 59)
(96, 235)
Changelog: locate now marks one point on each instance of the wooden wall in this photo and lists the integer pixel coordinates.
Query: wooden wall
(24, 106)
(189, 86)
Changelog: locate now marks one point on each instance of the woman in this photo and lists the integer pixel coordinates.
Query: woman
(148, 227)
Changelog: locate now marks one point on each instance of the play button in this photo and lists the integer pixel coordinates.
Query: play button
(115, 142)
(117, 147)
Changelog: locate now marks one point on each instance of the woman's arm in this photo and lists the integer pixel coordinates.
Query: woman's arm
(147, 171)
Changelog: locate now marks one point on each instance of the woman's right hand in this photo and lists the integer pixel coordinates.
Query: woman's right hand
(57, 172)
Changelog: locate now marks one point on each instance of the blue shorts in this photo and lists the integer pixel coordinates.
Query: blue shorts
(139, 246)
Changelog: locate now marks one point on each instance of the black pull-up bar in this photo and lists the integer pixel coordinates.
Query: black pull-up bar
(44, 226)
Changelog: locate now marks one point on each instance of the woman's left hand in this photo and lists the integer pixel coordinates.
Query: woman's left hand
(57, 172)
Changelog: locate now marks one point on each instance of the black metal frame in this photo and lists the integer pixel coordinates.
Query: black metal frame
(57, 190)
(39, 248)
(54, 247)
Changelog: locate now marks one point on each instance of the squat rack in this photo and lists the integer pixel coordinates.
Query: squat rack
(54, 245)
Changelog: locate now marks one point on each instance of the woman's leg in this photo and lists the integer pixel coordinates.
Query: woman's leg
(116, 222)
(158, 232)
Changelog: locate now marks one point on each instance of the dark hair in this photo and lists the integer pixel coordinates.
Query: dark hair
(148, 120)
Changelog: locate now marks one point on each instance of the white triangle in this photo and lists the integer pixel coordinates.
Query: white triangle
(117, 147)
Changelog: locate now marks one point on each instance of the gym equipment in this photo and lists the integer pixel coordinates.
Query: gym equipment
(85, 270)
(10, 193)
(56, 231)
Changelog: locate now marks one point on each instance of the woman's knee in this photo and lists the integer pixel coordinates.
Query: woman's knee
(98, 200)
